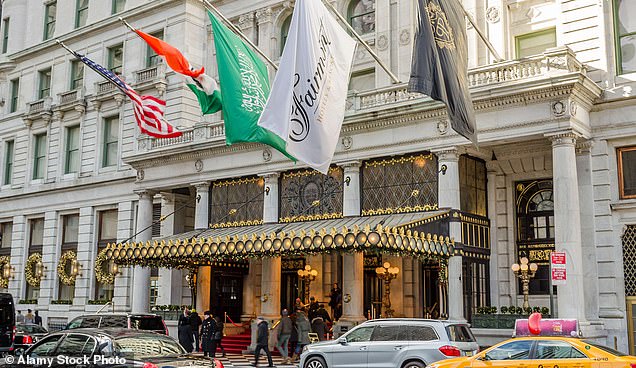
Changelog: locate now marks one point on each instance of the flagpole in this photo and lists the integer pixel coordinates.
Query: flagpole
(127, 24)
(239, 33)
(366, 45)
(480, 33)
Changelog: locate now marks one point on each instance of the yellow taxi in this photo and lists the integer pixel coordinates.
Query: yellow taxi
(543, 352)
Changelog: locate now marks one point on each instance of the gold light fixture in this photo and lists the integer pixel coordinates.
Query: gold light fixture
(388, 274)
(39, 269)
(525, 272)
(307, 275)
(6, 271)
(75, 268)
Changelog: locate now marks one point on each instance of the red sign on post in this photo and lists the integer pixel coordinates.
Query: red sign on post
(558, 265)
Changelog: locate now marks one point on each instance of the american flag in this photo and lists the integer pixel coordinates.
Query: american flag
(148, 110)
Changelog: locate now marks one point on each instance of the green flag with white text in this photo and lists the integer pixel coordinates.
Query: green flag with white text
(207, 91)
(244, 87)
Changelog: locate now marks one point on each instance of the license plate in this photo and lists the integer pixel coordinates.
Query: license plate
(469, 353)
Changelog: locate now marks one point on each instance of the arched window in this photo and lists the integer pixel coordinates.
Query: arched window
(284, 29)
(362, 16)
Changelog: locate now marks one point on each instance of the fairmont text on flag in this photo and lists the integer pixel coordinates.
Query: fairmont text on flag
(307, 103)
(440, 67)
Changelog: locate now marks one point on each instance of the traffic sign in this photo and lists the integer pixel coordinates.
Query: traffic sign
(559, 276)
(558, 268)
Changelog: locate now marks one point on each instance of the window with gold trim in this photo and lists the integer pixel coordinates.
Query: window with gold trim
(399, 184)
(310, 195)
(237, 202)
(627, 172)
(472, 185)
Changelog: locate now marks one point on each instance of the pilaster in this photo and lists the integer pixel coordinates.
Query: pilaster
(141, 275)
(491, 187)
(202, 217)
(123, 282)
(86, 249)
(48, 285)
(272, 267)
(170, 285)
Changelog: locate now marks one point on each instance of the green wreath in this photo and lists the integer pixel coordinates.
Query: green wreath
(4, 282)
(68, 256)
(101, 276)
(31, 278)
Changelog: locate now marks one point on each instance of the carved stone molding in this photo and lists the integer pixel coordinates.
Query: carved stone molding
(198, 165)
(350, 166)
(140, 174)
(583, 147)
(442, 126)
(563, 139)
(383, 42)
(145, 193)
(245, 21)
(202, 186)
(447, 154)
(347, 142)
(267, 155)
(493, 15)
(405, 37)
(264, 15)
(558, 108)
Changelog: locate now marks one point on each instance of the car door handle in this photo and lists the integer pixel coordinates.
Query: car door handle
(396, 348)
(363, 348)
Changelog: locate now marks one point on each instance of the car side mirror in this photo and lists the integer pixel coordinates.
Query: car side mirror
(342, 341)
(18, 352)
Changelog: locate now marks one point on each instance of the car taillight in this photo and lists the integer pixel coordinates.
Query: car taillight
(150, 365)
(218, 364)
(632, 365)
(165, 328)
(27, 339)
(450, 351)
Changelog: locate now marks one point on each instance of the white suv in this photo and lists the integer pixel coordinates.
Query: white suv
(391, 343)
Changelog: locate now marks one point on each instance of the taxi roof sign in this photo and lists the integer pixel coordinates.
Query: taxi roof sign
(549, 327)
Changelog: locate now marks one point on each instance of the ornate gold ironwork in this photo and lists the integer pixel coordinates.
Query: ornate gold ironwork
(323, 216)
(388, 211)
(629, 259)
(236, 224)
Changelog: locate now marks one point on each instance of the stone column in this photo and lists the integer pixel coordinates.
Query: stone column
(170, 280)
(18, 258)
(201, 213)
(449, 197)
(272, 267)
(50, 256)
(122, 293)
(141, 275)
(86, 254)
(491, 187)
(352, 264)
(317, 286)
(567, 221)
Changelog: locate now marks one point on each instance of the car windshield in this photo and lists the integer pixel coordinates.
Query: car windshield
(146, 323)
(460, 333)
(31, 329)
(147, 346)
(6, 315)
(605, 348)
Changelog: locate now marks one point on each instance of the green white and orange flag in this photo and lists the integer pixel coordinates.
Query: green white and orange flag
(245, 89)
(203, 86)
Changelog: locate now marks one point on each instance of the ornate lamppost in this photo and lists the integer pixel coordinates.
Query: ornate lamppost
(307, 275)
(388, 274)
(525, 272)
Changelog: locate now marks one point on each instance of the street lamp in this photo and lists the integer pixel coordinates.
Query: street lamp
(387, 273)
(307, 275)
(525, 272)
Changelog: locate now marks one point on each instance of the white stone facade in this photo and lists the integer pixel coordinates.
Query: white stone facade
(560, 115)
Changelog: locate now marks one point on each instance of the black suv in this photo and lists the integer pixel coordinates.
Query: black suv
(137, 321)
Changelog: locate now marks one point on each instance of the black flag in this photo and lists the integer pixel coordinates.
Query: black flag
(439, 68)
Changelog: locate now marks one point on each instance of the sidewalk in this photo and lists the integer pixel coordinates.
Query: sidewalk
(244, 361)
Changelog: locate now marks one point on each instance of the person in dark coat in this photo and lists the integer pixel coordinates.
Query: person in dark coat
(313, 308)
(185, 331)
(195, 324)
(38, 319)
(293, 338)
(318, 326)
(262, 342)
(218, 335)
(208, 330)
(335, 301)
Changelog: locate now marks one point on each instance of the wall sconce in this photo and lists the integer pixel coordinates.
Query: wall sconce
(347, 298)
(264, 298)
(347, 180)
(442, 169)
(7, 271)
(113, 268)
(39, 269)
(267, 191)
(75, 268)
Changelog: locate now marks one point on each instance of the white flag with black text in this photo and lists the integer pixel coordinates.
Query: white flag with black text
(307, 101)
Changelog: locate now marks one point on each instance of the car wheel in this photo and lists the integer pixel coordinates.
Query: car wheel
(315, 362)
(414, 364)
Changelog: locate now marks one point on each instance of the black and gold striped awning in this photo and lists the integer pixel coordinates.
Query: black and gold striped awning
(381, 234)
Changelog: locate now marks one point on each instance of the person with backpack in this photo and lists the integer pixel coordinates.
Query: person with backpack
(218, 336)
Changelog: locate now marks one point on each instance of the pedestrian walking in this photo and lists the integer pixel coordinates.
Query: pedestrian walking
(318, 327)
(20, 317)
(37, 319)
(195, 324)
(184, 330)
(218, 335)
(284, 333)
(262, 341)
(293, 338)
(208, 329)
(303, 327)
(29, 318)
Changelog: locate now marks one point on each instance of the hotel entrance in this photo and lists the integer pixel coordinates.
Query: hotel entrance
(226, 293)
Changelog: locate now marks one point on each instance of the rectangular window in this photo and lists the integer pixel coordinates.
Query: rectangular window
(71, 163)
(535, 43)
(36, 235)
(8, 162)
(116, 58)
(362, 81)
(625, 30)
(77, 74)
(627, 172)
(70, 229)
(15, 90)
(49, 20)
(39, 157)
(118, 6)
(111, 140)
(107, 234)
(82, 13)
(153, 59)
(6, 235)
(5, 35)
(45, 83)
